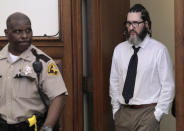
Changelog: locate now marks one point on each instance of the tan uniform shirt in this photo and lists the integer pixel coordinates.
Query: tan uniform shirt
(19, 97)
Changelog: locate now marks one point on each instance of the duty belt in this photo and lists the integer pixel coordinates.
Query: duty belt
(31, 124)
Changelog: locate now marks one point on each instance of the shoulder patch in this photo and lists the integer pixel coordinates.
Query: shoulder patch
(52, 69)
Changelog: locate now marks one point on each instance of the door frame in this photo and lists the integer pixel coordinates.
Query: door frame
(105, 30)
(179, 62)
(77, 59)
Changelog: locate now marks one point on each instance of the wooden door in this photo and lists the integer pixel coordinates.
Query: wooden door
(66, 50)
(105, 30)
(179, 58)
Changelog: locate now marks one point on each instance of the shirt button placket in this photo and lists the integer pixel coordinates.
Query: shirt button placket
(9, 91)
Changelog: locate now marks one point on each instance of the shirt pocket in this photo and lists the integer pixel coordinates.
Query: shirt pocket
(26, 86)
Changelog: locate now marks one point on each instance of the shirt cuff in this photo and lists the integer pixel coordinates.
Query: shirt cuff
(114, 112)
(158, 114)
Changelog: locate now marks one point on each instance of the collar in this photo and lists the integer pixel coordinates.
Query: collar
(4, 52)
(144, 42)
(26, 55)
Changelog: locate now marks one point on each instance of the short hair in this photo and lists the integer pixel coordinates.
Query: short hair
(16, 16)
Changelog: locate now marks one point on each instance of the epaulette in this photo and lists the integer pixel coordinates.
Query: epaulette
(44, 57)
(40, 56)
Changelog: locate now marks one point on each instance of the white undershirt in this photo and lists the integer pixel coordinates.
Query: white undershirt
(13, 57)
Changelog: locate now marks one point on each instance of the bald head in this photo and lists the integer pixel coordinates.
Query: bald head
(13, 18)
(18, 32)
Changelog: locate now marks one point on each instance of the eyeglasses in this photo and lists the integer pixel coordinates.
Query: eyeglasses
(135, 24)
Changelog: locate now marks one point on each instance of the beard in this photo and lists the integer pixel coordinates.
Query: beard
(139, 36)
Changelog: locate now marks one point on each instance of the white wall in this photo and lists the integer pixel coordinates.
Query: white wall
(162, 17)
(43, 14)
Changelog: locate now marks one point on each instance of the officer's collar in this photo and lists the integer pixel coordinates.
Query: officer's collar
(4, 52)
(27, 55)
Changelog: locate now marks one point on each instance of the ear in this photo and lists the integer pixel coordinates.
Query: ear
(6, 32)
(146, 24)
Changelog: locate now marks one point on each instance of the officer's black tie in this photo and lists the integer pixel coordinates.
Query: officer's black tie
(128, 90)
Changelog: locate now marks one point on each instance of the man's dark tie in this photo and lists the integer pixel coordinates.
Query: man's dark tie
(128, 90)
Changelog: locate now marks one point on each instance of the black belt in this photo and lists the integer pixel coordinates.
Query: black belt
(14, 127)
(139, 106)
(22, 126)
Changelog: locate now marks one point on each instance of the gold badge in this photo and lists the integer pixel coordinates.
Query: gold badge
(52, 69)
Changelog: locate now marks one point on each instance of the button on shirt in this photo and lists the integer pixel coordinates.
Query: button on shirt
(154, 81)
(19, 98)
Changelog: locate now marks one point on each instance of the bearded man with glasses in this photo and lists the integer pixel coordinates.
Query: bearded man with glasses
(141, 79)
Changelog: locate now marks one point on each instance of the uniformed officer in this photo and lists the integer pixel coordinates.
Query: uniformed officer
(20, 101)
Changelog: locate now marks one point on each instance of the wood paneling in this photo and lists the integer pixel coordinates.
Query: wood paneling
(77, 64)
(179, 61)
(105, 29)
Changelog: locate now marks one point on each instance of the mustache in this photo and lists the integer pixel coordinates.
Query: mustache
(25, 41)
(129, 32)
(132, 31)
